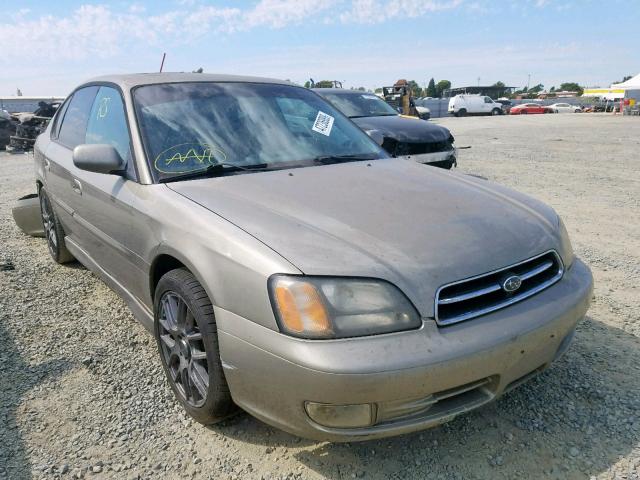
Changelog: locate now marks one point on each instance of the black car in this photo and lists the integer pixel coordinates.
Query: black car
(506, 105)
(403, 136)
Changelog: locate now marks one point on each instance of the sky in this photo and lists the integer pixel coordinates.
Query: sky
(48, 48)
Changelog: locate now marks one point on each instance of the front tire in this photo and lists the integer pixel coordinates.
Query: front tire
(187, 338)
(462, 112)
(53, 231)
(496, 111)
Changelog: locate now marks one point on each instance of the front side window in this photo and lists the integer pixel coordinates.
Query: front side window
(487, 100)
(360, 104)
(187, 128)
(108, 124)
(74, 124)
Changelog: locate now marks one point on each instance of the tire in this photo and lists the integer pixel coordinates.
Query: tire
(523, 112)
(496, 111)
(187, 339)
(462, 112)
(53, 231)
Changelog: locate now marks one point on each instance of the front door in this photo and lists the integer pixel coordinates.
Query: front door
(106, 204)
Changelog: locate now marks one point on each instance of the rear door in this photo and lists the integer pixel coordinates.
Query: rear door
(68, 131)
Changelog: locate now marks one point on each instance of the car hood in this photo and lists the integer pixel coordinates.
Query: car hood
(404, 129)
(415, 226)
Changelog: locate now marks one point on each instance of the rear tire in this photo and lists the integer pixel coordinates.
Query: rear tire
(53, 231)
(187, 338)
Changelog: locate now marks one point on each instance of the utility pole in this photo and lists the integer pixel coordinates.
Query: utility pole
(478, 81)
(528, 82)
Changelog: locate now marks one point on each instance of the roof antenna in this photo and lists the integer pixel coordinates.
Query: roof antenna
(162, 63)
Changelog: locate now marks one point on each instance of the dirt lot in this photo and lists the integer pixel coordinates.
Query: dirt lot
(82, 392)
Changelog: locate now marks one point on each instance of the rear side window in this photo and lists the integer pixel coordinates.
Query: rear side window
(108, 124)
(74, 124)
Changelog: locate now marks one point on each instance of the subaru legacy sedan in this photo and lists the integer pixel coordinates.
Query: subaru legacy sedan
(287, 266)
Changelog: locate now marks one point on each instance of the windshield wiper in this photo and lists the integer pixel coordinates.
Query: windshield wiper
(330, 159)
(216, 170)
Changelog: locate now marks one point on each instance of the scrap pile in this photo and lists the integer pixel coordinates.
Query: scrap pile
(8, 126)
(25, 127)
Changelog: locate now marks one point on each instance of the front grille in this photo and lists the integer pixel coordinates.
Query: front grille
(466, 299)
(403, 148)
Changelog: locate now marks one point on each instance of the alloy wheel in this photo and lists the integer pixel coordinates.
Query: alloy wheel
(183, 350)
(49, 224)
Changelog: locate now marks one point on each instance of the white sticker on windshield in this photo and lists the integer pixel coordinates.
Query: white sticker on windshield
(323, 123)
(369, 97)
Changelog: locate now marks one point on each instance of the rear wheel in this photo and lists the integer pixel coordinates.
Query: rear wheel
(53, 230)
(187, 338)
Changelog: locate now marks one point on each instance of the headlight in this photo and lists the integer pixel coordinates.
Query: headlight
(325, 307)
(566, 250)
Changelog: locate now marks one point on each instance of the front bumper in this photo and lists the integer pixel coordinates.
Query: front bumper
(414, 380)
(444, 159)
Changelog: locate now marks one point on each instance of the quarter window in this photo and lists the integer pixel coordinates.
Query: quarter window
(57, 122)
(74, 124)
(107, 124)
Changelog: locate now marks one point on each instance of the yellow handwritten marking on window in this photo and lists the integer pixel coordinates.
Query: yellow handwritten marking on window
(188, 157)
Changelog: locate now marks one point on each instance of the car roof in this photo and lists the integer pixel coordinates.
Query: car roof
(343, 91)
(131, 80)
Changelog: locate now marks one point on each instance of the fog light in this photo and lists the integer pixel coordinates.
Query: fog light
(340, 416)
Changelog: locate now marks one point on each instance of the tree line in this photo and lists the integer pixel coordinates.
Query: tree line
(437, 90)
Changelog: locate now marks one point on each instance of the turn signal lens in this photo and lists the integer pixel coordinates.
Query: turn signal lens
(302, 312)
(335, 307)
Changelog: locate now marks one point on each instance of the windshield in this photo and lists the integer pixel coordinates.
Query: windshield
(190, 127)
(360, 104)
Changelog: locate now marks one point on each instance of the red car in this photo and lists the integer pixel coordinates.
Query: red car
(529, 108)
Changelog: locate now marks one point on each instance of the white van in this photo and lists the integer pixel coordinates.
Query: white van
(465, 104)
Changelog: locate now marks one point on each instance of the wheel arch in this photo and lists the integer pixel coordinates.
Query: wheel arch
(166, 259)
(162, 264)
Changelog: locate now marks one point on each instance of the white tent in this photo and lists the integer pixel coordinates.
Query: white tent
(632, 84)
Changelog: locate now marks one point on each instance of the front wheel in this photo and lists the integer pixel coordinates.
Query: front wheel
(187, 338)
(496, 111)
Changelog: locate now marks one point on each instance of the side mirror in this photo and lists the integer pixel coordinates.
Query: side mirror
(376, 136)
(98, 158)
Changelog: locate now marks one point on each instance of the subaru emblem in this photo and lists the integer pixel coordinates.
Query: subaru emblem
(511, 283)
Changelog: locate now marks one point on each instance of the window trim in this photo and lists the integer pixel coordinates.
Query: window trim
(59, 117)
(116, 87)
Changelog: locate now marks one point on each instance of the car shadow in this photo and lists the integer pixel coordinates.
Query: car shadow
(573, 421)
(17, 377)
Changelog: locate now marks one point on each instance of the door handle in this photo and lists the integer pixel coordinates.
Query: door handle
(77, 186)
(47, 164)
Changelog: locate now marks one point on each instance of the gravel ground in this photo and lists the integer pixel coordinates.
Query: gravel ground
(82, 394)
